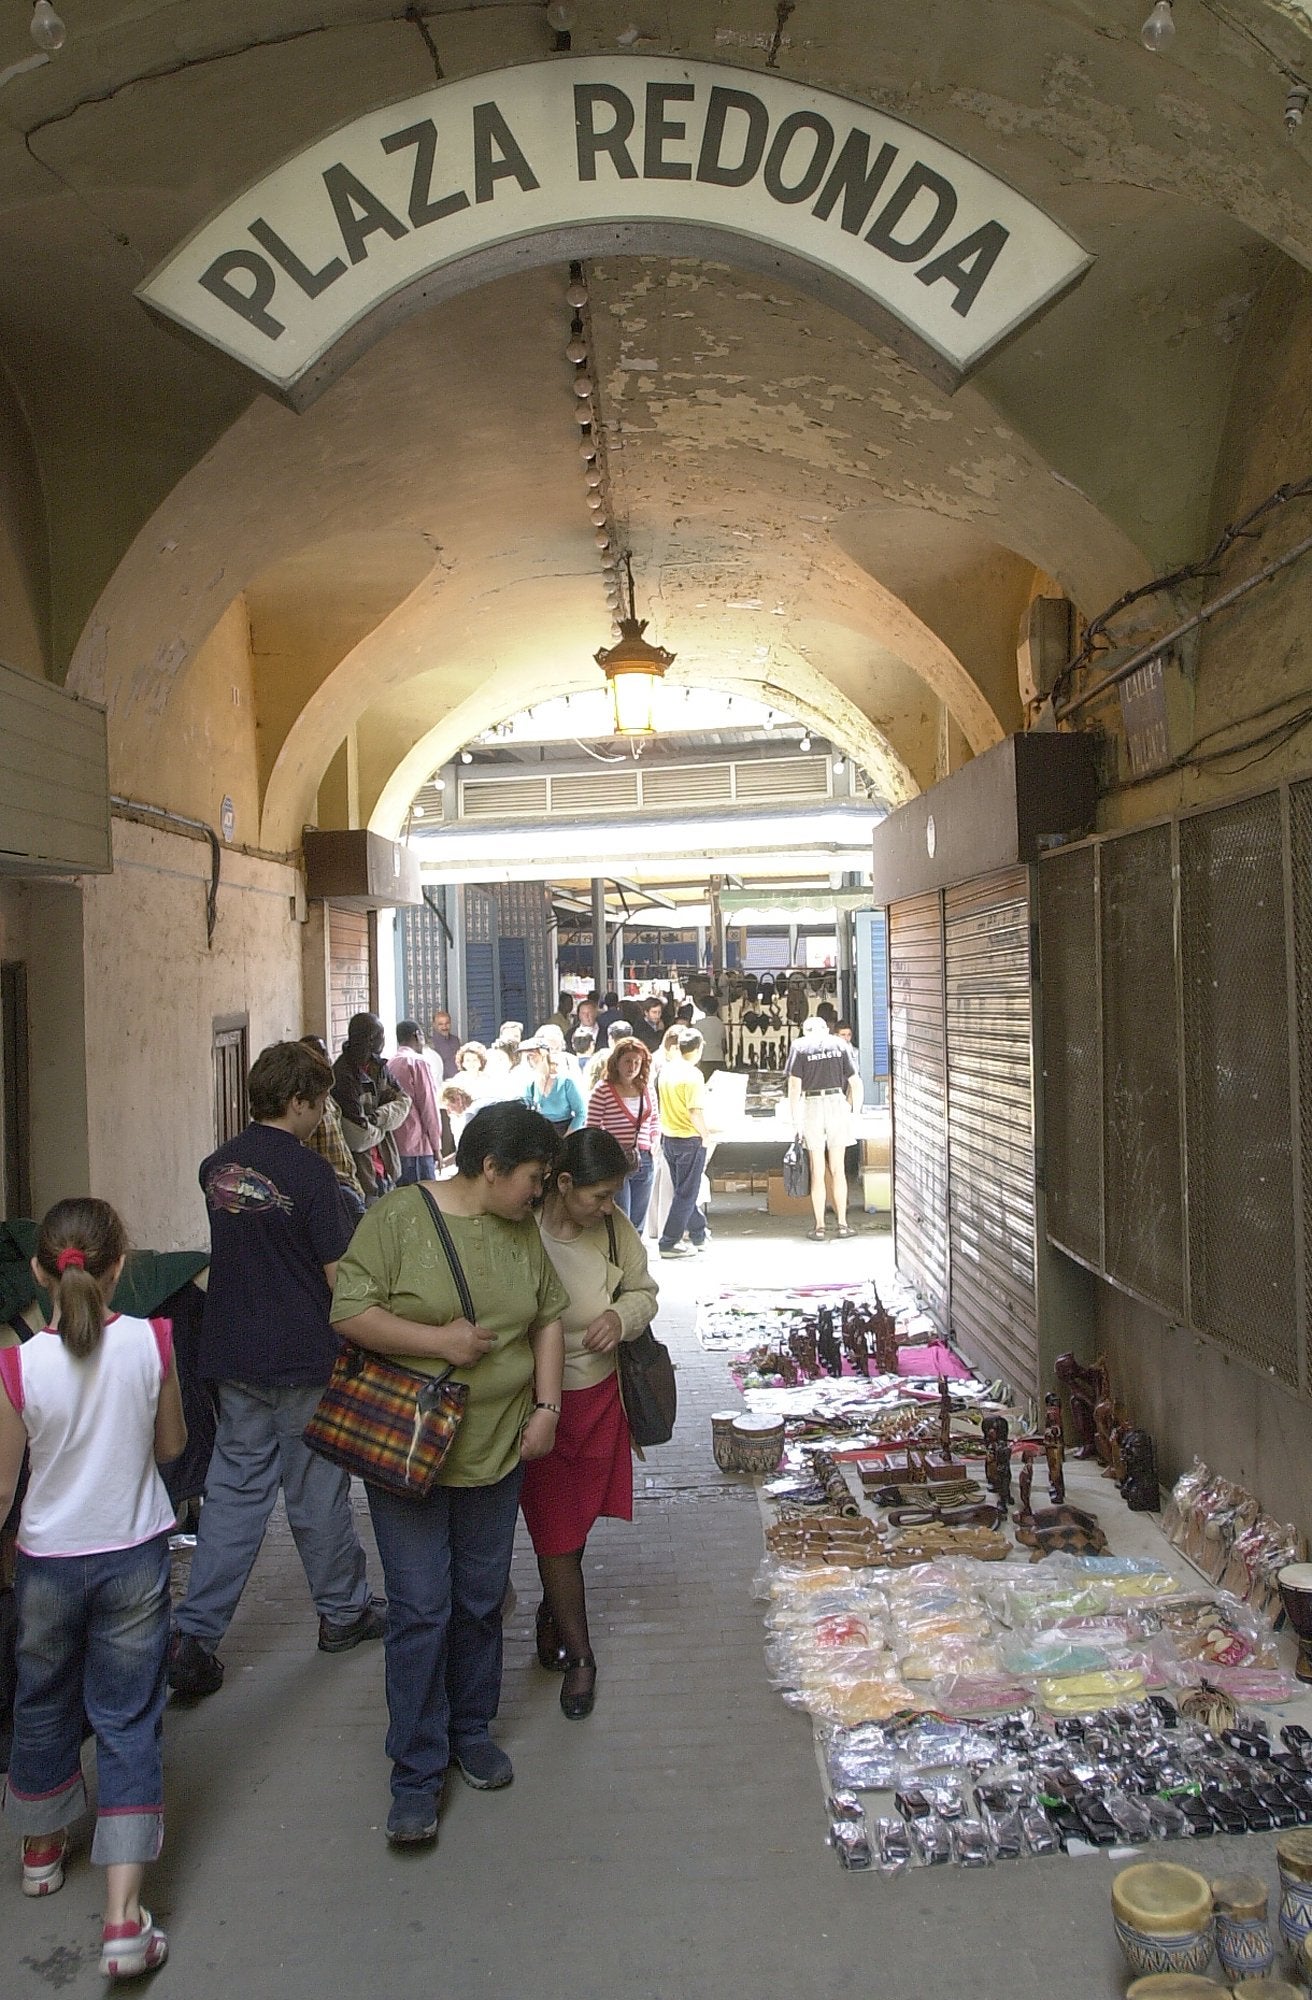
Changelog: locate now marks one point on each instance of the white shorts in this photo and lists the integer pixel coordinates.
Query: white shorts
(826, 1120)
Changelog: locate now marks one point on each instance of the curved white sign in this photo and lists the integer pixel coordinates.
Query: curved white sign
(569, 157)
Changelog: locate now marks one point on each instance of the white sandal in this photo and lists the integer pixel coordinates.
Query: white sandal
(128, 1950)
(43, 1864)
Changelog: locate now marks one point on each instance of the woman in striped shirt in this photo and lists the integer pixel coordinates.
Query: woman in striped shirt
(624, 1104)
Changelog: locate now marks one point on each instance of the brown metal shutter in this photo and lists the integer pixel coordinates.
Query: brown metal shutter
(990, 1092)
(348, 969)
(920, 1135)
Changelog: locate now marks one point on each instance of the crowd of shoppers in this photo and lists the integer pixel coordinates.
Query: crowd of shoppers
(473, 1213)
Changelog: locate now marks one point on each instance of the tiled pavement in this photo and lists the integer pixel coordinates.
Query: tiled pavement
(670, 1848)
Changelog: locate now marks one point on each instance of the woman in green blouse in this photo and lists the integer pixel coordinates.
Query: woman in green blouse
(446, 1559)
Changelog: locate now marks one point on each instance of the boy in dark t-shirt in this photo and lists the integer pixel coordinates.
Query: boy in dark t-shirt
(277, 1228)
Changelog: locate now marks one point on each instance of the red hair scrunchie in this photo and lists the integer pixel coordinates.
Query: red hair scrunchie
(67, 1257)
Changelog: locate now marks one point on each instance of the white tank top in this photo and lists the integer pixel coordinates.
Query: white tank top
(93, 1484)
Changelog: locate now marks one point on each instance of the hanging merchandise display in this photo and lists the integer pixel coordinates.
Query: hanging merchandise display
(994, 1673)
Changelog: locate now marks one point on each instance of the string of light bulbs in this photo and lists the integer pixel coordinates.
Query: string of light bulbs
(1158, 33)
(596, 482)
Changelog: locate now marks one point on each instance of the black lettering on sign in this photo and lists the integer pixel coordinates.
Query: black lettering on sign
(613, 141)
(423, 209)
(250, 305)
(967, 264)
(310, 282)
(359, 212)
(920, 180)
(507, 163)
(659, 128)
(710, 164)
(856, 180)
(822, 145)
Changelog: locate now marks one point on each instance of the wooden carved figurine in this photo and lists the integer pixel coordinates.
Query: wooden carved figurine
(1025, 1511)
(831, 1354)
(997, 1458)
(1084, 1386)
(801, 1345)
(856, 1343)
(1105, 1422)
(883, 1327)
(1054, 1447)
(1004, 1475)
(1139, 1488)
(944, 1417)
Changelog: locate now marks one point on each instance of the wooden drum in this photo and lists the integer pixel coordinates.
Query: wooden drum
(758, 1444)
(1163, 1917)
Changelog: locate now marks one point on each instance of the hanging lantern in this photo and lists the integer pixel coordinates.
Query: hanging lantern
(635, 669)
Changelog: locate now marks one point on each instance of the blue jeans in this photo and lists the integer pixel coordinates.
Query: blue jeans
(685, 1159)
(259, 1447)
(634, 1197)
(416, 1167)
(93, 1634)
(446, 1561)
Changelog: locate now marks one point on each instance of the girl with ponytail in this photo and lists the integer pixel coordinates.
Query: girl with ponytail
(94, 1399)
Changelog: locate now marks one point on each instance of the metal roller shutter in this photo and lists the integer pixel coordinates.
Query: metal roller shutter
(990, 1118)
(920, 1136)
(348, 969)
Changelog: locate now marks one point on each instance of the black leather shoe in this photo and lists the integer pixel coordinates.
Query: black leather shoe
(578, 1690)
(551, 1654)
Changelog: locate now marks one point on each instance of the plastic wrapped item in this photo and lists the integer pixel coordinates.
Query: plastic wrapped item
(1216, 1631)
(1180, 1502)
(1082, 1694)
(1038, 1830)
(893, 1853)
(931, 1840)
(1267, 1686)
(854, 1688)
(864, 1759)
(971, 1844)
(923, 1660)
(1168, 1822)
(1000, 1812)
(847, 1831)
(933, 1744)
(961, 1694)
(1131, 1817)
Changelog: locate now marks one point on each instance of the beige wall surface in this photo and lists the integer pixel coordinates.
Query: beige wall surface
(153, 991)
(24, 564)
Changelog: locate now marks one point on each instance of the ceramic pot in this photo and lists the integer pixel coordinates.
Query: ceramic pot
(758, 1444)
(722, 1440)
(1163, 1918)
(1243, 1941)
(1294, 1860)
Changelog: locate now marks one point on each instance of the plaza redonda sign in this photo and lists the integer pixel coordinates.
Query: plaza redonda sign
(581, 156)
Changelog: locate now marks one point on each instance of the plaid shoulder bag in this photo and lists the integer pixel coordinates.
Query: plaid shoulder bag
(384, 1422)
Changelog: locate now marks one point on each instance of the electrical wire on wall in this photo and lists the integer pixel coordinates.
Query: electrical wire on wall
(1246, 528)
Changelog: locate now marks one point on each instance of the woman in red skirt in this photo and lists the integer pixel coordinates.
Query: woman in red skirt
(601, 1262)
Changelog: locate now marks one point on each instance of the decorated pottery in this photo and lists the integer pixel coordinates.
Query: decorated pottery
(1294, 1860)
(758, 1444)
(722, 1439)
(1265, 1989)
(1295, 1584)
(1174, 1986)
(1243, 1941)
(1163, 1918)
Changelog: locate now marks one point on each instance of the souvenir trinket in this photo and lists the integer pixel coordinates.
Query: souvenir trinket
(1295, 1585)
(1084, 1386)
(1054, 1447)
(758, 1444)
(1138, 1483)
(1163, 1917)
(722, 1439)
(1243, 1942)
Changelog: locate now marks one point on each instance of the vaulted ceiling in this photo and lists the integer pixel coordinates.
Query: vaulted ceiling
(808, 515)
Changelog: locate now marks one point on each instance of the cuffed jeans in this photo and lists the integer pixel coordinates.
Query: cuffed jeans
(685, 1159)
(93, 1634)
(633, 1197)
(258, 1447)
(446, 1563)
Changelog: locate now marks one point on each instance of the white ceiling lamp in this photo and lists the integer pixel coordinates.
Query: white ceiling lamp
(577, 350)
(577, 295)
(805, 743)
(466, 756)
(635, 669)
(587, 451)
(583, 385)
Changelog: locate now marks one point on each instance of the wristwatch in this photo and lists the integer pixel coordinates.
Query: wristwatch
(553, 1407)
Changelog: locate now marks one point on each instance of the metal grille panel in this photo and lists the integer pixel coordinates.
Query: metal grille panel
(1300, 833)
(1144, 1222)
(1072, 1053)
(423, 964)
(920, 1137)
(991, 1125)
(1237, 1083)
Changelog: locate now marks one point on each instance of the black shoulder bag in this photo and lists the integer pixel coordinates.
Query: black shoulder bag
(648, 1389)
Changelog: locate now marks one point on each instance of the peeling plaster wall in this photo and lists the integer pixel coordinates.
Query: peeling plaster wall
(153, 992)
